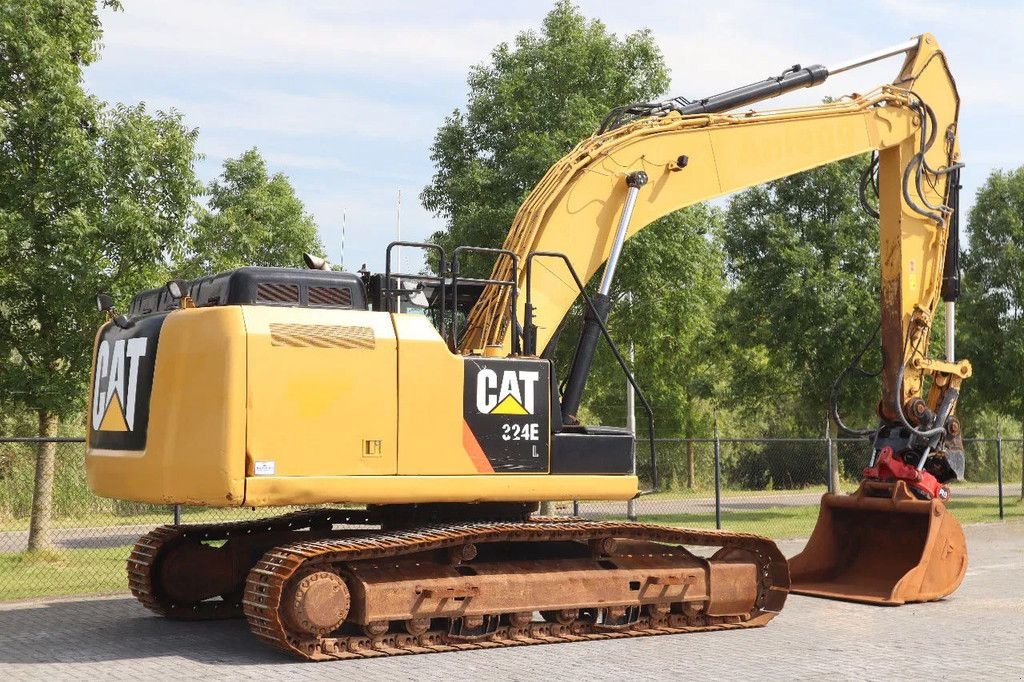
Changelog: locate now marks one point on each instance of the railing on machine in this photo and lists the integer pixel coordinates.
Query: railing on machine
(530, 343)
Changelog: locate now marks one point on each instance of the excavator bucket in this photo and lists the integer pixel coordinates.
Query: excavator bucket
(881, 545)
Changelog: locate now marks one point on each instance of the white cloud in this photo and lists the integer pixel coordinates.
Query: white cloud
(320, 114)
(324, 37)
(347, 96)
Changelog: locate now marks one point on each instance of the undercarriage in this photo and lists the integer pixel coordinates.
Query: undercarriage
(327, 584)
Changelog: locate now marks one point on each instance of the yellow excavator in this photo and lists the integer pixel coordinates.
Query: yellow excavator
(427, 408)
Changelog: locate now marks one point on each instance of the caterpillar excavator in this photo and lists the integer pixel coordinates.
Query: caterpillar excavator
(422, 443)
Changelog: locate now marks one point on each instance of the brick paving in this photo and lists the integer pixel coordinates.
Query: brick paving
(977, 633)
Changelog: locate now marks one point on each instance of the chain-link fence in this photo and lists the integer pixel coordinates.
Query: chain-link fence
(769, 486)
(772, 486)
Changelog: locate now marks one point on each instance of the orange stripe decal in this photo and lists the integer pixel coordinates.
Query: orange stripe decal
(476, 454)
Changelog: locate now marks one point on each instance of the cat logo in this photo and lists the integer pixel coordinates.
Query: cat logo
(116, 383)
(513, 394)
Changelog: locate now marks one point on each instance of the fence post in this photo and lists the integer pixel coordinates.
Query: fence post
(177, 515)
(718, 476)
(999, 467)
(833, 474)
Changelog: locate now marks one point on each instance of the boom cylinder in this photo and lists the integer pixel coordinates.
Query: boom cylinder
(794, 79)
(591, 333)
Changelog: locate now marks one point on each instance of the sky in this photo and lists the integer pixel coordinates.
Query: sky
(344, 98)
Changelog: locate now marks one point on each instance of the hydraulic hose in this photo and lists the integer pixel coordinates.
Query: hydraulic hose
(928, 433)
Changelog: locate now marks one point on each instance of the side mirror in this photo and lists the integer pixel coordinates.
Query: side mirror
(315, 262)
(104, 303)
(177, 288)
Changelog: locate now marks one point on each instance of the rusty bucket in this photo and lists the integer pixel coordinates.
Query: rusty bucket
(881, 545)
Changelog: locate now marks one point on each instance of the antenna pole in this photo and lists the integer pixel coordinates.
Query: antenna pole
(398, 229)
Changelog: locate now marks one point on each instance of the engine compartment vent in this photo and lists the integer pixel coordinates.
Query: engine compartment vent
(277, 292)
(336, 297)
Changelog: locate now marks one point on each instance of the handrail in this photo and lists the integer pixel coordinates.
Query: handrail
(387, 292)
(530, 336)
(516, 348)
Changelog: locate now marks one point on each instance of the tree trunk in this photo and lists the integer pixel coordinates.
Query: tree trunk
(691, 466)
(42, 494)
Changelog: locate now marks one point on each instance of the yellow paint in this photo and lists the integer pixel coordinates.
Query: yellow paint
(509, 406)
(430, 379)
(310, 408)
(195, 445)
(575, 207)
(113, 418)
(381, 421)
(262, 491)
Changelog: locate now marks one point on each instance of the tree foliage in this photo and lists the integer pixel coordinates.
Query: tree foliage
(532, 103)
(253, 218)
(91, 199)
(992, 309)
(670, 285)
(803, 258)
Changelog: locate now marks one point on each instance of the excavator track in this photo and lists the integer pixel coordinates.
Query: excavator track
(290, 553)
(144, 580)
(285, 570)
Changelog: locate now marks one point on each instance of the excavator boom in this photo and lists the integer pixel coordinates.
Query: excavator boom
(649, 160)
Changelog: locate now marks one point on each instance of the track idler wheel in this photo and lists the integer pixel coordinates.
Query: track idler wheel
(316, 603)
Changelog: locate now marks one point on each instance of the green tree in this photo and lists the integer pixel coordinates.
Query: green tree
(671, 284)
(991, 330)
(253, 219)
(528, 106)
(91, 199)
(533, 102)
(804, 260)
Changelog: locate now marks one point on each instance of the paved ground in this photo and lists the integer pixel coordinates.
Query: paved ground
(119, 536)
(979, 632)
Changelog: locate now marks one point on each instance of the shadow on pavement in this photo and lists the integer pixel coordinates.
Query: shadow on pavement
(118, 628)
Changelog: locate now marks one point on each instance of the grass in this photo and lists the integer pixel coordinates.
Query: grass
(107, 519)
(704, 493)
(798, 521)
(102, 571)
(774, 522)
(66, 572)
(986, 510)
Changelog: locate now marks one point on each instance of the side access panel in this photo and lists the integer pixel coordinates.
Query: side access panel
(322, 393)
(430, 431)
